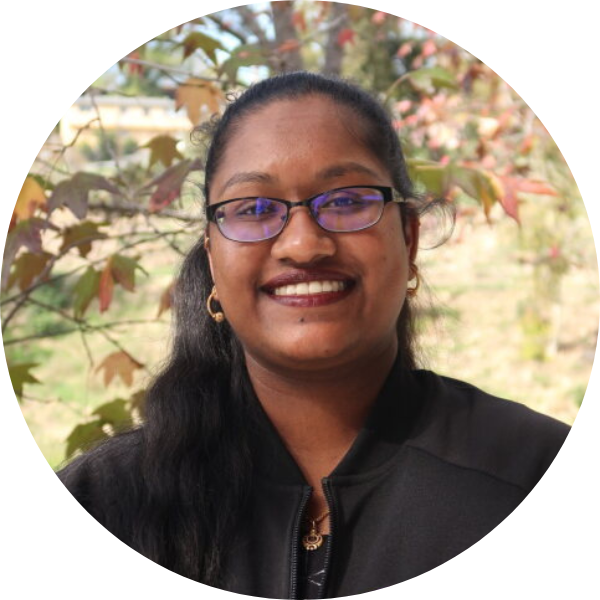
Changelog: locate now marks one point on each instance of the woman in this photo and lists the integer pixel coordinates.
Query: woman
(291, 448)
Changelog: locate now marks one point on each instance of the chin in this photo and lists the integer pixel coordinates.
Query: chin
(319, 354)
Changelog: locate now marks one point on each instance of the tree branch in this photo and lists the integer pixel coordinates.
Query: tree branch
(227, 28)
(84, 328)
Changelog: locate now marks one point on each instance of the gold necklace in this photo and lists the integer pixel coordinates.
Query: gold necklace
(313, 539)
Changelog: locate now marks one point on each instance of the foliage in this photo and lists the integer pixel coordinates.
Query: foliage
(88, 230)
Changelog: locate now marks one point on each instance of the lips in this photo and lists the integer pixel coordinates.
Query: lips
(309, 288)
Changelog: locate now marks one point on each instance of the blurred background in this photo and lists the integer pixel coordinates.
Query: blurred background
(113, 202)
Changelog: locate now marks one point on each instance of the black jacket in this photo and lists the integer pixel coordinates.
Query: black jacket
(436, 467)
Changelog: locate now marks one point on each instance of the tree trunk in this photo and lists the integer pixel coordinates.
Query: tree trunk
(334, 52)
(286, 38)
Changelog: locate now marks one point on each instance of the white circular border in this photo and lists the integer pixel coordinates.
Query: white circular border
(52, 51)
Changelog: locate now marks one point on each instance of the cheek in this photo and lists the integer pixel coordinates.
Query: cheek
(235, 272)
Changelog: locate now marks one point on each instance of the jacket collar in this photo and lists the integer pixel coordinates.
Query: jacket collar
(387, 426)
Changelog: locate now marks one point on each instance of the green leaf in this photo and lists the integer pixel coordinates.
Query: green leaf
(123, 270)
(45, 183)
(431, 175)
(74, 193)
(430, 78)
(85, 290)
(84, 436)
(27, 268)
(138, 402)
(467, 179)
(113, 413)
(81, 236)
(196, 40)
(163, 148)
(20, 375)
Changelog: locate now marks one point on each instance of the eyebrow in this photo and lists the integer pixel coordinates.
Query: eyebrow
(344, 169)
(247, 177)
(325, 174)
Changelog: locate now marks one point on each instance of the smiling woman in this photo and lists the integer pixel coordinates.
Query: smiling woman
(292, 448)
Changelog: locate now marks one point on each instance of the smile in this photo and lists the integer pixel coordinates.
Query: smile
(310, 288)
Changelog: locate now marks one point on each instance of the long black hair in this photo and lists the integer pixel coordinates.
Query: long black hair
(196, 453)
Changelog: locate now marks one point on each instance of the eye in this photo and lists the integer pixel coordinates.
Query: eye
(342, 199)
(255, 208)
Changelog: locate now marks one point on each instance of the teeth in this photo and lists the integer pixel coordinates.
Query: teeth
(313, 287)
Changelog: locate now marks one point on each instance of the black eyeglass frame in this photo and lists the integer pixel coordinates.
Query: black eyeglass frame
(389, 195)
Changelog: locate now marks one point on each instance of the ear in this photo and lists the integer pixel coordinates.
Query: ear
(411, 237)
(207, 250)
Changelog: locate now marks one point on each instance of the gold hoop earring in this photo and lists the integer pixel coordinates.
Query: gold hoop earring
(219, 317)
(412, 292)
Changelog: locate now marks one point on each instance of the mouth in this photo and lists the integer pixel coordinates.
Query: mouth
(309, 288)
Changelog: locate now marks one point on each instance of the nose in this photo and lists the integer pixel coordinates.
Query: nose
(302, 241)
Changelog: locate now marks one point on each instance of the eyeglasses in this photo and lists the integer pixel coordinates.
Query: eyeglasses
(341, 210)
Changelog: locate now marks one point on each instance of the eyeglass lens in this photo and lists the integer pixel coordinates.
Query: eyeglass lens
(345, 210)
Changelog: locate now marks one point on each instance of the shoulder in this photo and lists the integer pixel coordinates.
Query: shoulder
(469, 428)
(106, 476)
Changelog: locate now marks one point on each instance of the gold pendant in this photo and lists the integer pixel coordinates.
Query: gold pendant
(312, 540)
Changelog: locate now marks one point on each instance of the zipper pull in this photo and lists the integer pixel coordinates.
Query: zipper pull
(313, 539)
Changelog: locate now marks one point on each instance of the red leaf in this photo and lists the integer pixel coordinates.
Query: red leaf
(513, 186)
(169, 185)
(429, 48)
(27, 233)
(135, 69)
(378, 17)
(404, 50)
(345, 36)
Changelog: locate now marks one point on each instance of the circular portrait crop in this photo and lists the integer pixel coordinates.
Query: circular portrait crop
(299, 300)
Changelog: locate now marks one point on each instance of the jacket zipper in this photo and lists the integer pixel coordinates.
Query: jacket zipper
(296, 543)
(332, 524)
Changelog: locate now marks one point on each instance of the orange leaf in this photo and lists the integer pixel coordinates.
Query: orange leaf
(195, 94)
(119, 364)
(288, 46)
(166, 299)
(106, 286)
(30, 198)
(299, 21)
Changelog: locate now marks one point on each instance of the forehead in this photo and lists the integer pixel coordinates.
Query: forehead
(292, 141)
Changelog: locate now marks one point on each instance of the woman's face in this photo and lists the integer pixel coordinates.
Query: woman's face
(295, 149)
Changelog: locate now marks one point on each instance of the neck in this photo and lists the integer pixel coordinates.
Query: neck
(319, 414)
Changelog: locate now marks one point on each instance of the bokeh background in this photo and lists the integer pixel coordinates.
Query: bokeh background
(112, 203)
